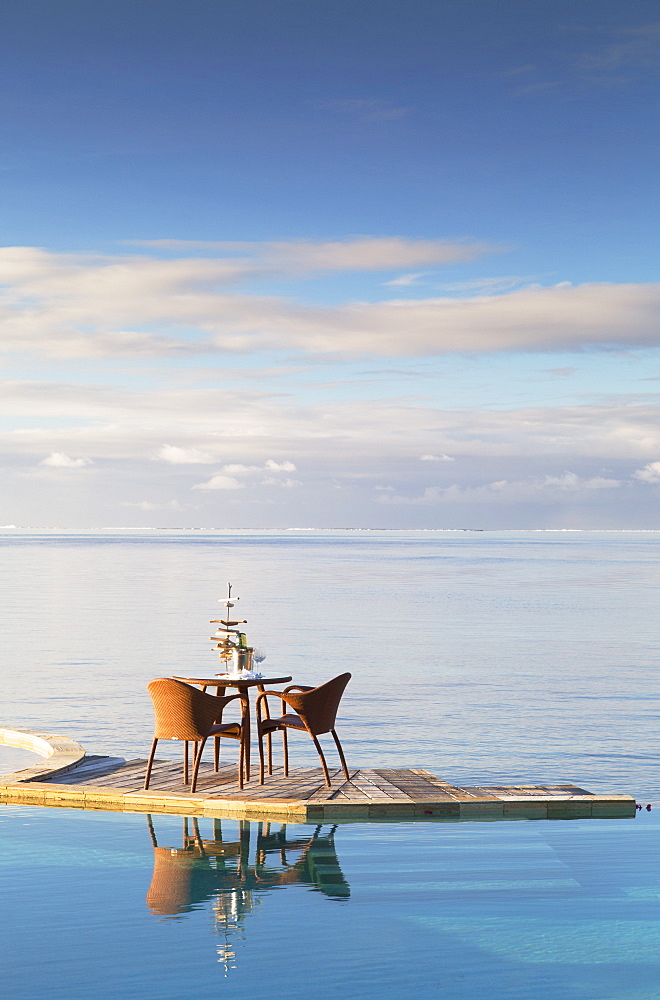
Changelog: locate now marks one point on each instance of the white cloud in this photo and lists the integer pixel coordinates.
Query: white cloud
(115, 424)
(183, 456)
(220, 482)
(364, 451)
(491, 286)
(64, 306)
(273, 466)
(649, 474)
(505, 491)
(148, 505)
(59, 460)
(355, 253)
(288, 484)
(529, 320)
(631, 48)
(370, 253)
(570, 481)
(405, 280)
(238, 469)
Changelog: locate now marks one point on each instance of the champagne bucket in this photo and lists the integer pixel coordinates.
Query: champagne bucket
(241, 659)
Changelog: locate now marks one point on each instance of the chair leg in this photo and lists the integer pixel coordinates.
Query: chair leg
(241, 762)
(216, 753)
(323, 763)
(341, 754)
(185, 760)
(198, 758)
(285, 751)
(147, 776)
(260, 736)
(269, 735)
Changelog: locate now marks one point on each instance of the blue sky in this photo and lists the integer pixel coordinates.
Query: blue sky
(330, 264)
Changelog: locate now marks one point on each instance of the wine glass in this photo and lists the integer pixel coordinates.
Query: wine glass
(258, 656)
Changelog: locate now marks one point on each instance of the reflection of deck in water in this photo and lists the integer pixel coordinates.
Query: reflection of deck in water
(117, 785)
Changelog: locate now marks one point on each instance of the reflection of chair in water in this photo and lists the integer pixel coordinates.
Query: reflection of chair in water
(182, 877)
(317, 866)
(220, 870)
(315, 713)
(185, 713)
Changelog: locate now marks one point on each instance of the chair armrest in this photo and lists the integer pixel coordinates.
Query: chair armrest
(225, 699)
(263, 696)
(297, 687)
(267, 694)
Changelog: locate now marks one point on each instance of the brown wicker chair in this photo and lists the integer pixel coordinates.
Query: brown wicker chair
(315, 712)
(185, 713)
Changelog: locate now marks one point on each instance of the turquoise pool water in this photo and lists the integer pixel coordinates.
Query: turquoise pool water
(118, 906)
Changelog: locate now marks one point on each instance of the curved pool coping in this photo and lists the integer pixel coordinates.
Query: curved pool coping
(61, 753)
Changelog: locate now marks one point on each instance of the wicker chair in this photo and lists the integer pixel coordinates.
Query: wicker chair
(185, 713)
(315, 712)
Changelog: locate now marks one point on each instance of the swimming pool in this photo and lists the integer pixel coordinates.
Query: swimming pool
(119, 905)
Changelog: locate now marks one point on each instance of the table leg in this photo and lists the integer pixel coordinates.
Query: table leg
(220, 690)
(269, 737)
(245, 699)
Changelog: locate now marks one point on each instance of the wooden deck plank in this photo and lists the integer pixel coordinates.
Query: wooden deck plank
(353, 791)
(433, 778)
(134, 777)
(414, 786)
(386, 788)
(376, 790)
(95, 767)
(529, 791)
(301, 784)
(111, 776)
(450, 791)
(329, 794)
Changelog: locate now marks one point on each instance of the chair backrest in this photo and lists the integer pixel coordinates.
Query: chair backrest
(183, 712)
(318, 707)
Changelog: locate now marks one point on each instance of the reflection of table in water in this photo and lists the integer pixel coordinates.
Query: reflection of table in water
(243, 684)
(222, 872)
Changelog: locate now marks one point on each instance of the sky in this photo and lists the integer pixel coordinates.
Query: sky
(319, 263)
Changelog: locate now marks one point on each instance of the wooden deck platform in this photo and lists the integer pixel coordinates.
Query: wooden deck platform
(113, 784)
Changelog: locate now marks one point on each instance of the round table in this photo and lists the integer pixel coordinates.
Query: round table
(243, 684)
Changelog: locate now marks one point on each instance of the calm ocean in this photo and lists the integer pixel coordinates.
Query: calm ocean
(485, 656)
